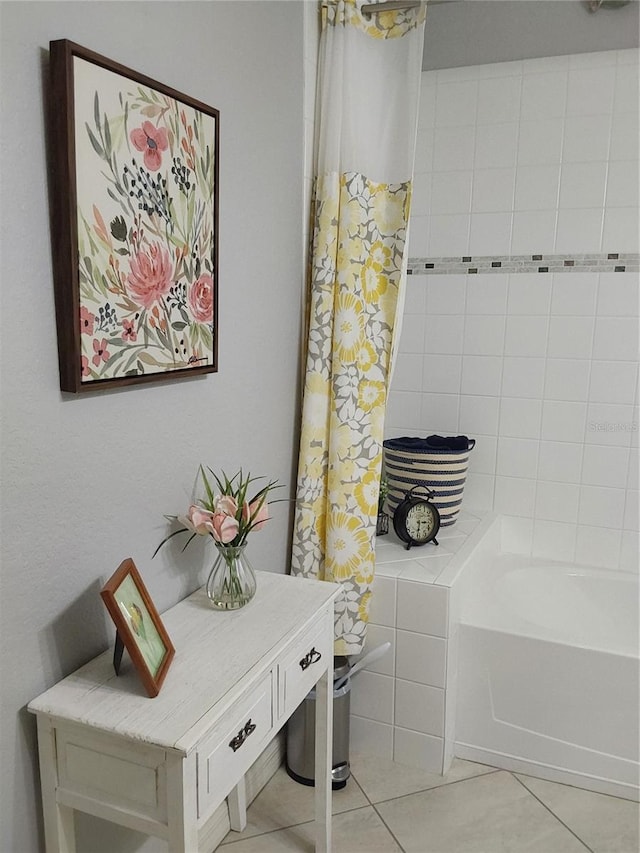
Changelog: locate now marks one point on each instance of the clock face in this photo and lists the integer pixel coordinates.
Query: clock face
(420, 522)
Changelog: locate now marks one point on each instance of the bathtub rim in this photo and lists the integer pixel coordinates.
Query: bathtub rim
(489, 615)
(483, 535)
(490, 531)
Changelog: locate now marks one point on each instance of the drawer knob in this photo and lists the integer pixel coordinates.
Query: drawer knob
(242, 735)
(311, 657)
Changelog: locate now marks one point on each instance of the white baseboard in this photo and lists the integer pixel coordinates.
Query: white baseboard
(516, 764)
(217, 827)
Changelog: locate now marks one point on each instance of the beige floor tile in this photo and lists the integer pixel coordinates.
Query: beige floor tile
(605, 824)
(485, 814)
(382, 779)
(358, 831)
(284, 802)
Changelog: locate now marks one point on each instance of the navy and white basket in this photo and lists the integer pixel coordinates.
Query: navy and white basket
(438, 462)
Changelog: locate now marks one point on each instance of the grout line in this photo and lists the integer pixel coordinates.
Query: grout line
(542, 803)
(536, 482)
(562, 164)
(437, 787)
(605, 206)
(581, 485)
(266, 832)
(366, 796)
(395, 668)
(388, 828)
(373, 806)
(517, 165)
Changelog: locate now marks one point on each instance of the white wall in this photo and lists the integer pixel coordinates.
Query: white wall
(516, 159)
(86, 481)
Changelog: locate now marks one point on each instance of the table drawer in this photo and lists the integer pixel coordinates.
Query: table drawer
(233, 745)
(303, 665)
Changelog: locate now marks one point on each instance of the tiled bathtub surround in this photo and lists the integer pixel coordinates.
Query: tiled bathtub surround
(405, 705)
(402, 706)
(532, 157)
(531, 165)
(542, 371)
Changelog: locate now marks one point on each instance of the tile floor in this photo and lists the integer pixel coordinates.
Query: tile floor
(389, 808)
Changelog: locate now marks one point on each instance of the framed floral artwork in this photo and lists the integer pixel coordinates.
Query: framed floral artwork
(134, 224)
(138, 625)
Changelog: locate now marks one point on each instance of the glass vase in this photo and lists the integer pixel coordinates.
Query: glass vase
(232, 581)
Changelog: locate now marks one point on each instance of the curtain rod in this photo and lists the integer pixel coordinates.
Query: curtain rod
(390, 5)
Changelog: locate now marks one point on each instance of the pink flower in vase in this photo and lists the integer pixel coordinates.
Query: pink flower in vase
(227, 504)
(260, 511)
(225, 527)
(225, 513)
(199, 520)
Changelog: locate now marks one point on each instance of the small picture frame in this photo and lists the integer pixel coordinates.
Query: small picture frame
(139, 627)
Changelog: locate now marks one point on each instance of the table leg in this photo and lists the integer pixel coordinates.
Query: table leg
(324, 760)
(182, 808)
(59, 830)
(237, 802)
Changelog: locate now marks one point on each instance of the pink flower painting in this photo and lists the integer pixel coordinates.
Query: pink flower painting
(129, 331)
(150, 275)
(201, 299)
(100, 351)
(152, 141)
(87, 319)
(147, 238)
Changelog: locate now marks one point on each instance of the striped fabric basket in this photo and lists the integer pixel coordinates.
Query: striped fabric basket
(436, 462)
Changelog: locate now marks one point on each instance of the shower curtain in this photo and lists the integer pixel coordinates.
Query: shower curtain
(367, 102)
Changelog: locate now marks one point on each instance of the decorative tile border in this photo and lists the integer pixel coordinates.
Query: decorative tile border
(468, 264)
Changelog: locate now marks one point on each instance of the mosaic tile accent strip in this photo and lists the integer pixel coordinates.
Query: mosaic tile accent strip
(469, 265)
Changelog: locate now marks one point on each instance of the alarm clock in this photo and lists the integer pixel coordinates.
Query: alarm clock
(416, 520)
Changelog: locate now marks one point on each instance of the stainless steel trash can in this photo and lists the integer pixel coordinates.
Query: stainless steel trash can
(301, 728)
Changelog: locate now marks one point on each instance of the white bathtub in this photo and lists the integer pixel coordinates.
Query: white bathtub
(548, 670)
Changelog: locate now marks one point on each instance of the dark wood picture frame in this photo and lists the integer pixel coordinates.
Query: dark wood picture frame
(139, 626)
(134, 224)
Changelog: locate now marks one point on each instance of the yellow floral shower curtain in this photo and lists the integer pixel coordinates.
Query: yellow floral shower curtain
(369, 80)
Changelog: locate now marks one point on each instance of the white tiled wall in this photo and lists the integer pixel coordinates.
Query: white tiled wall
(539, 156)
(535, 156)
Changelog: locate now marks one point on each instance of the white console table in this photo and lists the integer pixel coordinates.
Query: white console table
(162, 766)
